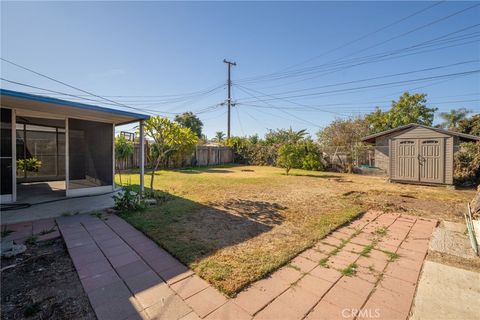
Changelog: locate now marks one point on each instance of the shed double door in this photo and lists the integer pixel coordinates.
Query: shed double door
(420, 160)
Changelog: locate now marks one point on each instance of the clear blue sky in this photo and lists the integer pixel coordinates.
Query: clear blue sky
(140, 52)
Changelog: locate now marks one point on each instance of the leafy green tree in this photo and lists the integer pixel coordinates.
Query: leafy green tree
(408, 109)
(469, 125)
(290, 155)
(123, 150)
(168, 138)
(281, 136)
(453, 117)
(344, 135)
(219, 136)
(313, 159)
(190, 120)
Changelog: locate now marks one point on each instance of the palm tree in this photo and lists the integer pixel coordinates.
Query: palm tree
(453, 117)
(219, 136)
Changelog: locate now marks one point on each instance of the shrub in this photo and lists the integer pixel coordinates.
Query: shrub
(129, 200)
(467, 164)
(290, 155)
(28, 165)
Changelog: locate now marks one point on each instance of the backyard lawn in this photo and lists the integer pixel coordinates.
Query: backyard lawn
(234, 224)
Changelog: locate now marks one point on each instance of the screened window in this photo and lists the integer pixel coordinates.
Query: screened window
(90, 154)
(40, 150)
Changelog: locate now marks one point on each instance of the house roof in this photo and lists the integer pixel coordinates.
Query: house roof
(371, 138)
(30, 103)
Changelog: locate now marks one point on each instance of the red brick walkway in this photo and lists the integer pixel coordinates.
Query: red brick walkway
(127, 276)
(39, 230)
(367, 269)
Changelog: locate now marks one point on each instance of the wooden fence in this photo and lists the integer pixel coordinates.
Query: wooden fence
(202, 156)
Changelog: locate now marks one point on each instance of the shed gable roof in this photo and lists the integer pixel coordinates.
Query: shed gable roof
(373, 137)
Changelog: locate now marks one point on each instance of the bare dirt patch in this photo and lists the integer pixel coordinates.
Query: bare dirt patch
(43, 285)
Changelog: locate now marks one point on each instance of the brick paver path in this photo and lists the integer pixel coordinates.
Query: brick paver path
(39, 230)
(367, 269)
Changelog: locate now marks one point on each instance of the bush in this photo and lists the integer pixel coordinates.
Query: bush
(129, 200)
(467, 164)
(291, 155)
(312, 162)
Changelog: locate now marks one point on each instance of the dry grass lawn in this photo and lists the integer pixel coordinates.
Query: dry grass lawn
(234, 224)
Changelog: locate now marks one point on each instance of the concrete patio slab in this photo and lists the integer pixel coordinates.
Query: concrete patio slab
(58, 208)
(435, 301)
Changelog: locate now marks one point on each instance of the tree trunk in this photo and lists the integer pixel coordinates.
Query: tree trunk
(155, 167)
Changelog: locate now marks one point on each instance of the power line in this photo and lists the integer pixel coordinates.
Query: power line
(68, 85)
(146, 110)
(380, 77)
(288, 113)
(372, 33)
(392, 38)
(470, 72)
(386, 55)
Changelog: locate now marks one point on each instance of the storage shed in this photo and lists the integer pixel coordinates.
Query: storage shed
(417, 153)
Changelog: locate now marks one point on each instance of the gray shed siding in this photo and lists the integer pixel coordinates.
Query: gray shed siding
(385, 150)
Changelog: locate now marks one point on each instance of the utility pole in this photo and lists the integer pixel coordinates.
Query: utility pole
(229, 98)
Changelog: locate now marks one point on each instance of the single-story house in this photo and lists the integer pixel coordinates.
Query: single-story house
(417, 153)
(51, 145)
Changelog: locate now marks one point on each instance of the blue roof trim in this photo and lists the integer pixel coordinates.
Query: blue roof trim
(33, 97)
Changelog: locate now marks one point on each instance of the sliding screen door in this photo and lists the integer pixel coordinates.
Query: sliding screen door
(90, 153)
(6, 159)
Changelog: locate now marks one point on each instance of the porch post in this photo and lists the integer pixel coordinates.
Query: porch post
(142, 156)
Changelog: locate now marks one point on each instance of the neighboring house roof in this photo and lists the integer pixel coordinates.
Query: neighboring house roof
(27, 101)
(371, 138)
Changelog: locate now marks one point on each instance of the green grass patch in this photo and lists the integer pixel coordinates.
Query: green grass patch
(392, 256)
(351, 270)
(381, 231)
(323, 262)
(366, 250)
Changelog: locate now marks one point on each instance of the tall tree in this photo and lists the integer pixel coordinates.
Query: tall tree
(344, 135)
(168, 138)
(410, 108)
(191, 121)
(283, 136)
(219, 136)
(470, 125)
(453, 117)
